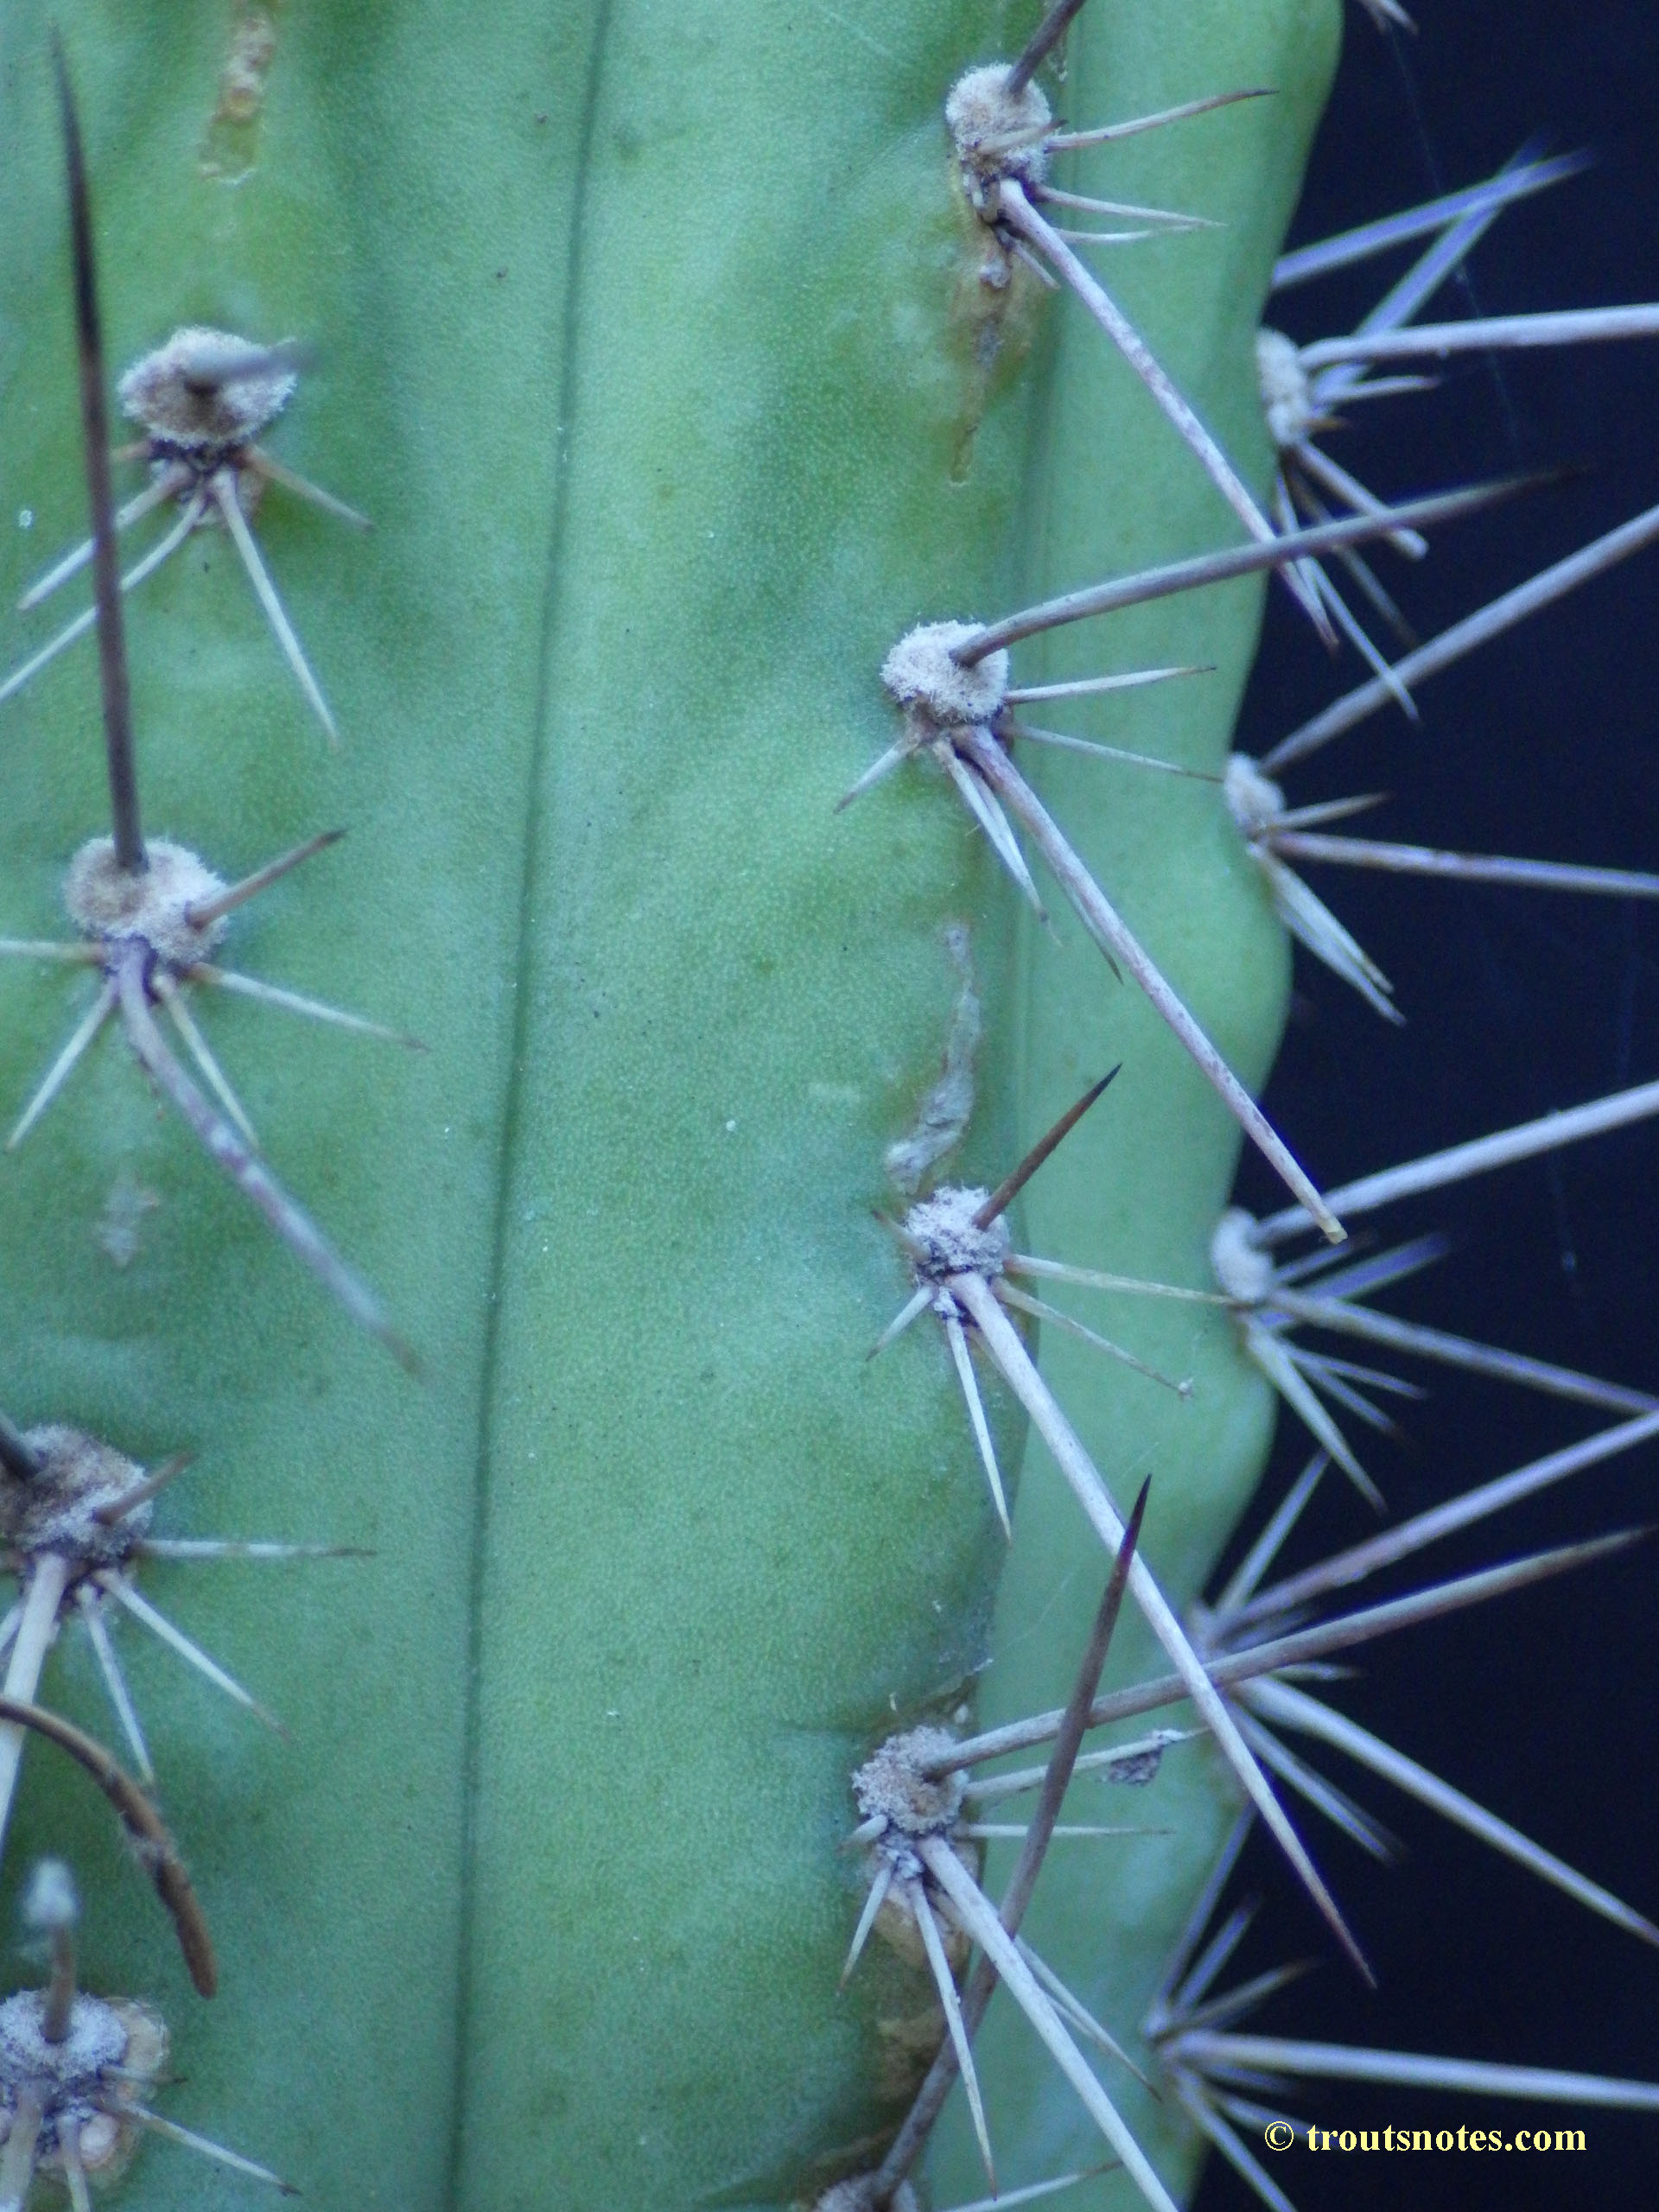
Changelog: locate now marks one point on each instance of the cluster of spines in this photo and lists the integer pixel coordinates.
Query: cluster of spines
(74, 1511)
(1237, 1661)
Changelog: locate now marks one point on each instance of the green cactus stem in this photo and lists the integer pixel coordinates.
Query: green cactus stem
(678, 378)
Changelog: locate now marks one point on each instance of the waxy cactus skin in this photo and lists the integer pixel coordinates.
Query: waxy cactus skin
(654, 345)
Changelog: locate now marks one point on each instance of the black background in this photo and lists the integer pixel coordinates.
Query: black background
(1547, 744)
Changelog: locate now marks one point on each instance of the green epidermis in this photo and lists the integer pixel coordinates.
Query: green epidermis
(653, 342)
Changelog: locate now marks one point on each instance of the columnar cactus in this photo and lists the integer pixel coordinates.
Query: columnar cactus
(682, 364)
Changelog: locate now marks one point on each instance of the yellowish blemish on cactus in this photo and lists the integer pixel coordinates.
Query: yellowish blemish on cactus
(230, 145)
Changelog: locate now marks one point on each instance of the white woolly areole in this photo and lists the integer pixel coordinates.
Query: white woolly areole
(1241, 1268)
(96, 2039)
(890, 1785)
(1254, 800)
(57, 1509)
(70, 2077)
(189, 393)
(936, 691)
(952, 1241)
(997, 134)
(1287, 396)
(112, 903)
